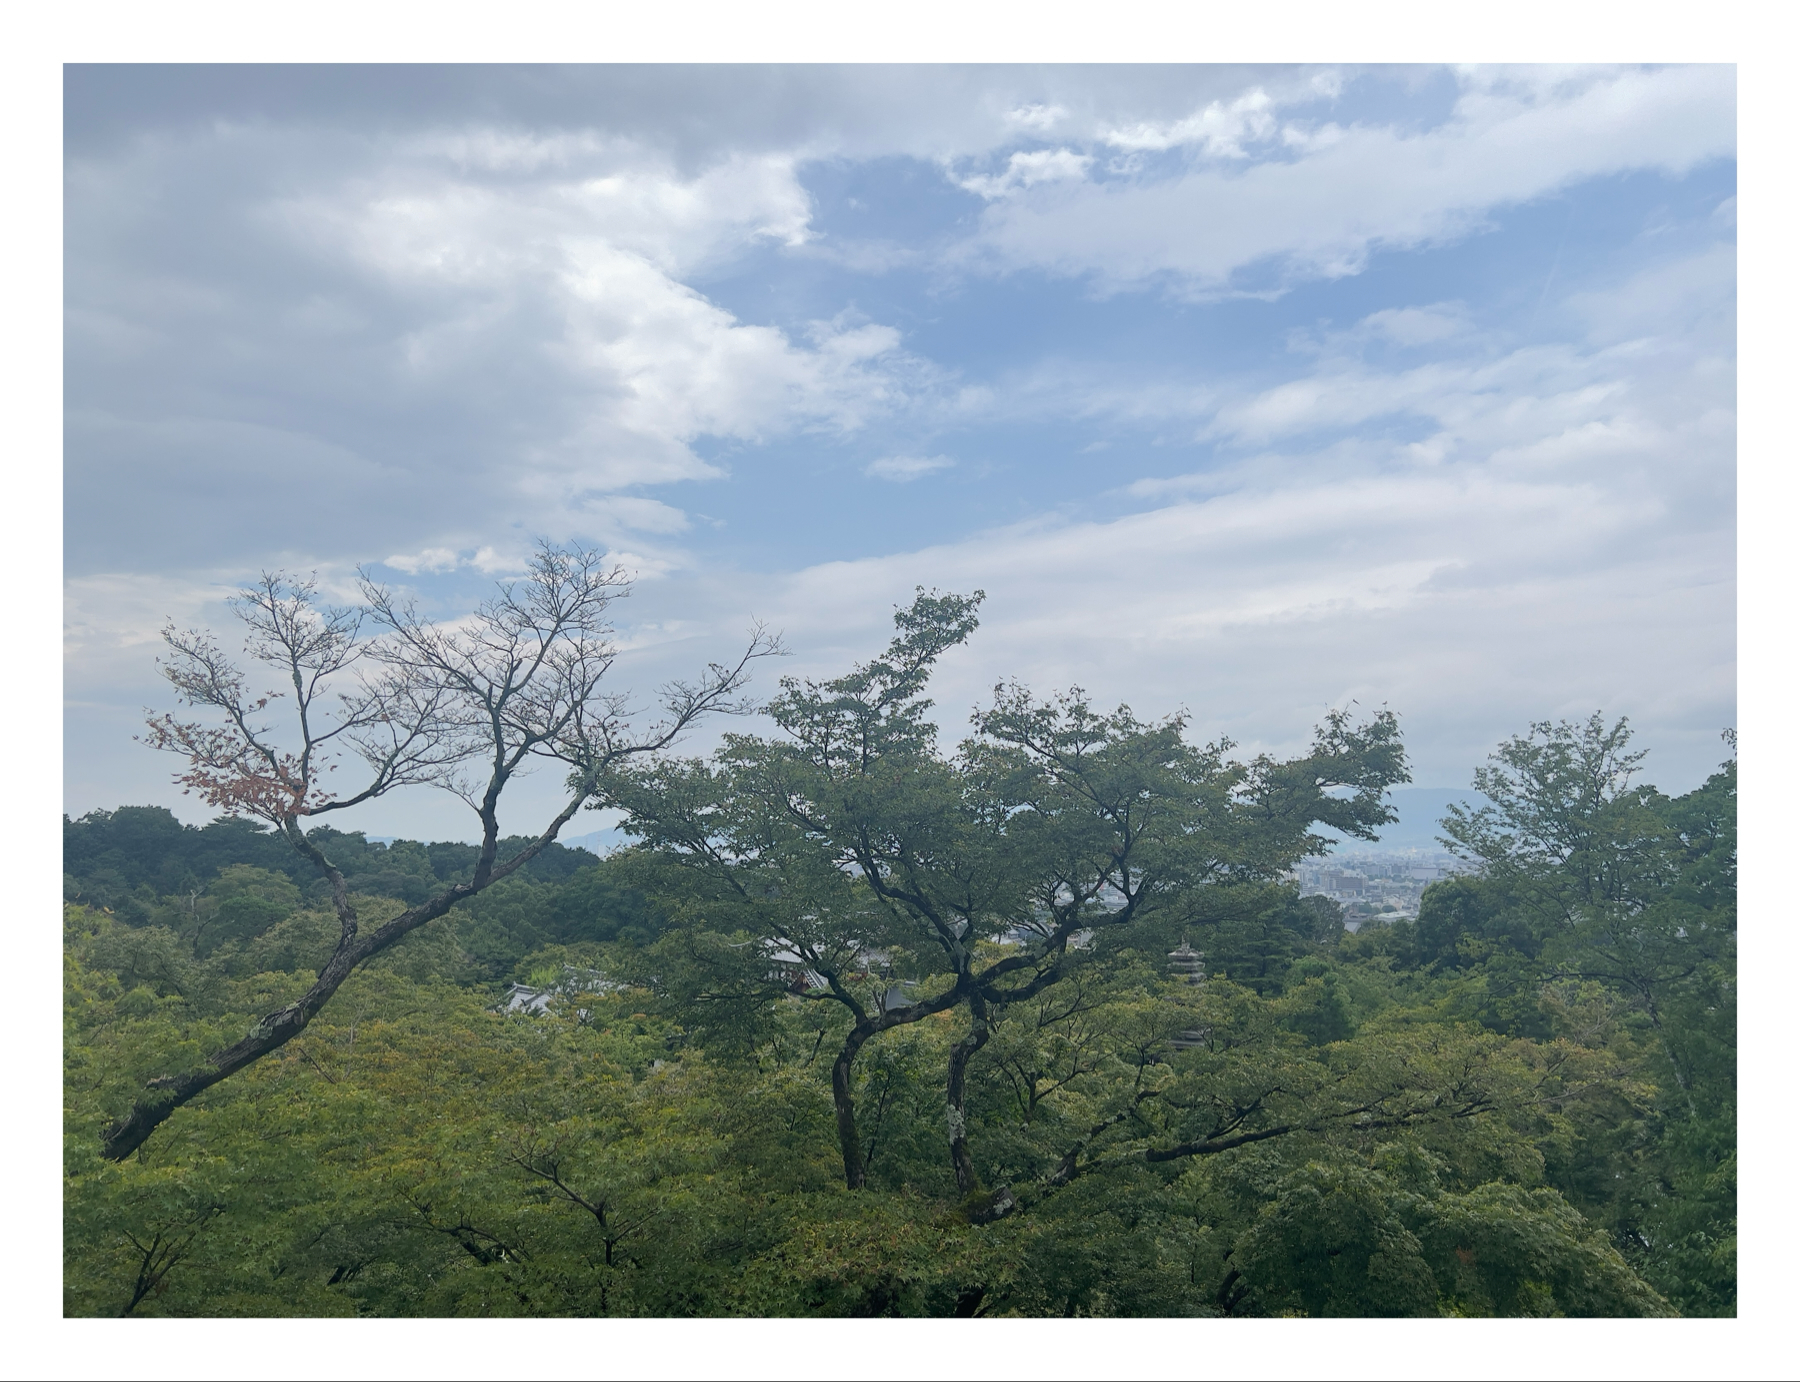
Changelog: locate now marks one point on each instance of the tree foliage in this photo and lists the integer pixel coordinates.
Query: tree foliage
(1522, 1103)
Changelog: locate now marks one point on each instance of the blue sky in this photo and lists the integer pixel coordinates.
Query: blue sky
(1250, 391)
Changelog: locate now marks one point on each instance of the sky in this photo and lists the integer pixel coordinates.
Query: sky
(1248, 393)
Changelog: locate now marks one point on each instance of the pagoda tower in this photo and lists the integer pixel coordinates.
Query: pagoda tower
(1188, 965)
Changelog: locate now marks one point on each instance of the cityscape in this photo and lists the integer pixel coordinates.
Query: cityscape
(1375, 885)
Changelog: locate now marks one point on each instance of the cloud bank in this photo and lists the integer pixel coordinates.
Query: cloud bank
(1252, 391)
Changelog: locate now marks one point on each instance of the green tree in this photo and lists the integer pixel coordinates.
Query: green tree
(852, 862)
(1605, 883)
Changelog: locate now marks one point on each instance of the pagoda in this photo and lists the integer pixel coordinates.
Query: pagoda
(1188, 965)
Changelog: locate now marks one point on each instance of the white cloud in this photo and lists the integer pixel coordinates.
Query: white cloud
(615, 521)
(904, 468)
(442, 561)
(583, 273)
(1489, 407)
(465, 330)
(1656, 362)
(1037, 117)
(1319, 210)
(420, 209)
(1030, 169)
(1459, 599)
(1700, 289)
(433, 560)
(1416, 326)
(1219, 129)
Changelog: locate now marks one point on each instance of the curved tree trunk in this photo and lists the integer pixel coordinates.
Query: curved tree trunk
(955, 1092)
(849, 1140)
(163, 1095)
(166, 1093)
(868, 1025)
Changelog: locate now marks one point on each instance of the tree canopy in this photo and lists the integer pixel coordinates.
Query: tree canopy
(859, 1025)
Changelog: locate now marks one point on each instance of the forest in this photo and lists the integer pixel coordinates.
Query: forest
(858, 1024)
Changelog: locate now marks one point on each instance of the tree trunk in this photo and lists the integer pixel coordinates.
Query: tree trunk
(849, 1140)
(163, 1095)
(955, 1089)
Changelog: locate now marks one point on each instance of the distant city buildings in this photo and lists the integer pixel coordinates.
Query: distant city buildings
(1375, 885)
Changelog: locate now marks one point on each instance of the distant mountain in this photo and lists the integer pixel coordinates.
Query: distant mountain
(595, 841)
(1420, 810)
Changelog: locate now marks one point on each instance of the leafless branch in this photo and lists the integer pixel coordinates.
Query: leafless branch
(464, 705)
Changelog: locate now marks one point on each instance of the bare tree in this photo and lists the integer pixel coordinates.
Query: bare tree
(466, 706)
